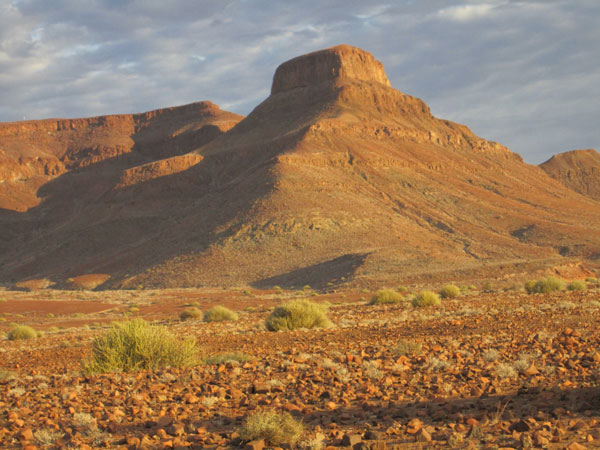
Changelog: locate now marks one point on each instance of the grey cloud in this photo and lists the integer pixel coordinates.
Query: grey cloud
(524, 73)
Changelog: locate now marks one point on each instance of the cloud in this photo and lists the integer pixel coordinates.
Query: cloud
(465, 13)
(524, 73)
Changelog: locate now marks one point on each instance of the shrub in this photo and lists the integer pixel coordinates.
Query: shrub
(277, 429)
(298, 314)
(386, 297)
(427, 298)
(21, 332)
(450, 291)
(223, 358)
(190, 313)
(530, 286)
(545, 285)
(219, 314)
(406, 347)
(138, 345)
(576, 286)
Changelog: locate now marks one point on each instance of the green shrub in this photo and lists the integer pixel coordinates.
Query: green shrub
(545, 285)
(386, 297)
(576, 285)
(138, 345)
(190, 313)
(277, 429)
(298, 314)
(223, 358)
(450, 291)
(219, 314)
(21, 332)
(530, 286)
(427, 298)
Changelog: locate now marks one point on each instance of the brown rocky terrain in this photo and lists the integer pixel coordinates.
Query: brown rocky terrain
(578, 170)
(336, 177)
(486, 370)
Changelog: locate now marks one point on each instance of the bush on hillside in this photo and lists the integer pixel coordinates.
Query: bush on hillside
(450, 291)
(18, 332)
(386, 297)
(298, 314)
(426, 298)
(138, 345)
(190, 313)
(545, 285)
(576, 285)
(277, 429)
(219, 314)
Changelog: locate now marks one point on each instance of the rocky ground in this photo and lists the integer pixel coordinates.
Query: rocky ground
(486, 370)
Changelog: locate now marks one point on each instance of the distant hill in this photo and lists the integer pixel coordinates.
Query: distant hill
(578, 170)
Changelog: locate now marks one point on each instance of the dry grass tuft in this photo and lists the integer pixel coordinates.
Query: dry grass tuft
(386, 297)
(426, 298)
(277, 429)
(138, 345)
(220, 314)
(298, 314)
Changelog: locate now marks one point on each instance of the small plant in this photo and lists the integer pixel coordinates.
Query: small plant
(190, 313)
(219, 314)
(21, 332)
(47, 436)
(490, 355)
(505, 370)
(450, 291)
(223, 358)
(576, 286)
(406, 347)
(298, 314)
(277, 429)
(386, 297)
(545, 285)
(138, 345)
(426, 298)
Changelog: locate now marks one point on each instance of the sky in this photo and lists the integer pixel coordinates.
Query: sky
(523, 73)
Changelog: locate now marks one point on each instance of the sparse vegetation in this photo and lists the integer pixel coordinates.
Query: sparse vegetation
(450, 291)
(406, 347)
(386, 297)
(220, 314)
(576, 286)
(505, 370)
(545, 285)
(298, 314)
(223, 358)
(47, 436)
(277, 429)
(190, 314)
(18, 332)
(137, 345)
(426, 298)
(490, 355)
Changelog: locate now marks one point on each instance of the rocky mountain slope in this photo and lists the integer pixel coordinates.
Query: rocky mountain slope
(578, 170)
(336, 176)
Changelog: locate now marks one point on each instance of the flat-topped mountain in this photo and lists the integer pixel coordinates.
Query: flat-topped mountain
(335, 177)
(578, 170)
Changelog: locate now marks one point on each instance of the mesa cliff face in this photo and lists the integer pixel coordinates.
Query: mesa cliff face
(335, 176)
(578, 170)
(34, 152)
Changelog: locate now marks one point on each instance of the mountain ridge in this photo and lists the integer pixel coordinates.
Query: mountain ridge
(335, 177)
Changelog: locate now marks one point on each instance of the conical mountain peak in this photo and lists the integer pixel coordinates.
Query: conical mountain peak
(329, 65)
